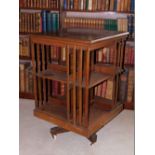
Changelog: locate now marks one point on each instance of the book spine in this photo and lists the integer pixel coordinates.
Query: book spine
(130, 86)
(132, 7)
(104, 86)
(22, 79)
(122, 93)
(44, 20)
(49, 22)
(65, 4)
(109, 90)
(71, 4)
(90, 5)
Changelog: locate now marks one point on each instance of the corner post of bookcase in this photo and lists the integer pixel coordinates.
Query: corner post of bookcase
(87, 79)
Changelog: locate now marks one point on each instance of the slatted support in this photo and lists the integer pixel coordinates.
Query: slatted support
(43, 69)
(74, 85)
(39, 79)
(86, 97)
(67, 86)
(80, 86)
(34, 75)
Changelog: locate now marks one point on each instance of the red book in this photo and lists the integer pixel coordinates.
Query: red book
(132, 56)
(54, 88)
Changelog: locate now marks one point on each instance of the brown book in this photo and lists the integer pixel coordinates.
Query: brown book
(122, 5)
(21, 74)
(130, 86)
(109, 90)
(111, 5)
(76, 5)
(129, 3)
(104, 86)
(118, 5)
(63, 54)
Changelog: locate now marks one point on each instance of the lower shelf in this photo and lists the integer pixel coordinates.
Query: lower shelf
(129, 105)
(56, 113)
(26, 95)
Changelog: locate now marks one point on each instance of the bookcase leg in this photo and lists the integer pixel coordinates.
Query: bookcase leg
(57, 130)
(93, 138)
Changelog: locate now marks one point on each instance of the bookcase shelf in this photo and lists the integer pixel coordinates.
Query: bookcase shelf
(24, 57)
(95, 11)
(53, 75)
(26, 95)
(37, 8)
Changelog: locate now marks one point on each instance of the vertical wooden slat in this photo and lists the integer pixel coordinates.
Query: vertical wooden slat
(118, 54)
(47, 62)
(43, 69)
(123, 53)
(80, 86)
(39, 79)
(86, 98)
(34, 75)
(68, 79)
(74, 85)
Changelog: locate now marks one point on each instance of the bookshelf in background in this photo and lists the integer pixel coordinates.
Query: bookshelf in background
(35, 16)
(111, 15)
(49, 16)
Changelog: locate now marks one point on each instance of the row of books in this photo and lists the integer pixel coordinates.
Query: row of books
(24, 46)
(54, 54)
(52, 4)
(105, 89)
(107, 55)
(57, 89)
(38, 22)
(119, 24)
(104, 5)
(125, 91)
(57, 54)
(25, 77)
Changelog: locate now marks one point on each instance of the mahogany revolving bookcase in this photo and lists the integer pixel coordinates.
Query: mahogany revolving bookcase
(77, 109)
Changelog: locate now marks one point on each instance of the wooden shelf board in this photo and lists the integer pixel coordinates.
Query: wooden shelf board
(39, 8)
(92, 11)
(129, 105)
(53, 75)
(26, 95)
(129, 66)
(107, 68)
(25, 57)
(96, 78)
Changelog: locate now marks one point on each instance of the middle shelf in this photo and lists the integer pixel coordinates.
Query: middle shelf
(95, 77)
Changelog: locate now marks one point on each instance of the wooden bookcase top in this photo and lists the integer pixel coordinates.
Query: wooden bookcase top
(89, 36)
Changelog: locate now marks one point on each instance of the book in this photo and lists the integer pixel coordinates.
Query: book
(109, 90)
(44, 21)
(130, 89)
(122, 92)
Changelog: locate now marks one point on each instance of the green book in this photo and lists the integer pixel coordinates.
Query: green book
(87, 4)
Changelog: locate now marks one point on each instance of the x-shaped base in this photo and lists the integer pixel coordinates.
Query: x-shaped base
(58, 130)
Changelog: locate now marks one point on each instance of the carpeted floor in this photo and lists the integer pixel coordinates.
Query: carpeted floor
(116, 138)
